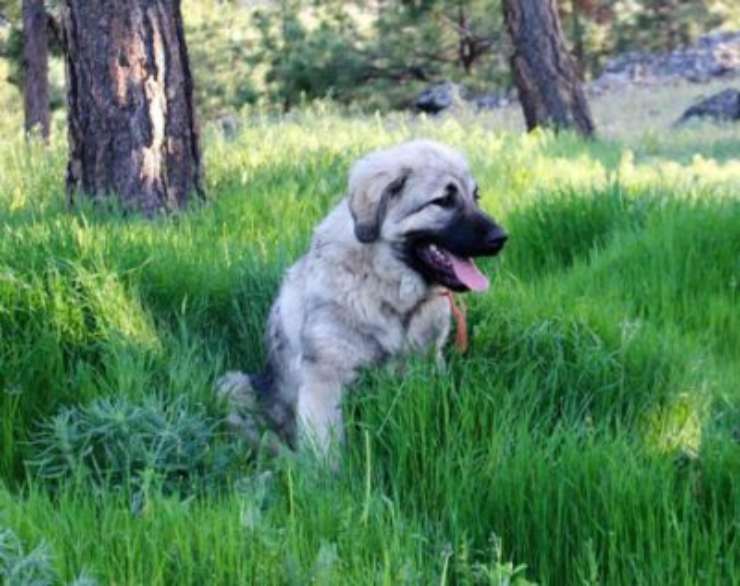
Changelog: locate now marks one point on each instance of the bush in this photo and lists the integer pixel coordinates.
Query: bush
(113, 442)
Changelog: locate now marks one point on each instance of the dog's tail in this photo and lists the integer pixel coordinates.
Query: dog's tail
(249, 416)
(236, 388)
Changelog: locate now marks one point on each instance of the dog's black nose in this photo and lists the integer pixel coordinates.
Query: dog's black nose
(497, 240)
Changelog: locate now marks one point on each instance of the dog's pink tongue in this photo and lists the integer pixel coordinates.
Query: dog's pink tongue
(468, 273)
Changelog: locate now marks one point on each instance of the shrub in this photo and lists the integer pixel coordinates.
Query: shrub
(114, 442)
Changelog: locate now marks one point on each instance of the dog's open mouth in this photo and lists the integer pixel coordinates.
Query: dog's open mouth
(452, 271)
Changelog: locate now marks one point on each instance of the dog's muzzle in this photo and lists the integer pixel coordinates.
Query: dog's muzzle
(445, 257)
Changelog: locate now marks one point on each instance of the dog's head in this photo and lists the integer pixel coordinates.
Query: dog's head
(420, 198)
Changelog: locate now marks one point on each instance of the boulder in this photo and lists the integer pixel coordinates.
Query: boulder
(442, 96)
(712, 56)
(438, 97)
(721, 107)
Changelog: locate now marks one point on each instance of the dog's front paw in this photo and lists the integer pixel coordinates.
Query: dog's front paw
(439, 362)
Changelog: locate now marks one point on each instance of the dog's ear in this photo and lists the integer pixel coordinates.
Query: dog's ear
(368, 201)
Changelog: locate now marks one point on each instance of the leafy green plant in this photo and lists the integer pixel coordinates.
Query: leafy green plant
(115, 442)
(33, 568)
(498, 572)
(19, 568)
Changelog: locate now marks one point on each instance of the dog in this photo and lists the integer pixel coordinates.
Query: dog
(373, 286)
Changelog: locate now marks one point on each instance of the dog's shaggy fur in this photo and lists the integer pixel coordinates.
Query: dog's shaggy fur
(369, 288)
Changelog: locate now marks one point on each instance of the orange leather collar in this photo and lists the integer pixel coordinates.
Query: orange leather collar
(461, 325)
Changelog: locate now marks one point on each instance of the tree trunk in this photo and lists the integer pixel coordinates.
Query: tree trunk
(132, 128)
(544, 73)
(35, 68)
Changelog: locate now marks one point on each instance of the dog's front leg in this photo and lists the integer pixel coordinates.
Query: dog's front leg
(319, 413)
(429, 328)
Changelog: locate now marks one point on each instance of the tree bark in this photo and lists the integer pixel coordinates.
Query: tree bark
(35, 68)
(132, 127)
(544, 73)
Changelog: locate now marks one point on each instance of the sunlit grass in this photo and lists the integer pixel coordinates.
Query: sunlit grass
(590, 433)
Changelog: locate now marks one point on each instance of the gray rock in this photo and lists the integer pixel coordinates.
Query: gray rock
(438, 97)
(442, 96)
(712, 56)
(721, 107)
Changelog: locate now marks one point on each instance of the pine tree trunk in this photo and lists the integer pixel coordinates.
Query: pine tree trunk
(544, 73)
(132, 128)
(35, 68)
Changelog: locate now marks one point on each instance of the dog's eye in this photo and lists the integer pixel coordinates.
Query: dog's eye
(476, 194)
(448, 199)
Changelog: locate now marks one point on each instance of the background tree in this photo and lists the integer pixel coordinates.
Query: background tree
(458, 36)
(132, 128)
(35, 68)
(544, 73)
(380, 54)
(597, 29)
(13, 47)
(308, 62)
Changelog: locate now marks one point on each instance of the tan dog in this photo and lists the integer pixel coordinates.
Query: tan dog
(369, 288)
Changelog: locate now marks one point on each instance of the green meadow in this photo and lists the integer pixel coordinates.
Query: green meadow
(591, 435)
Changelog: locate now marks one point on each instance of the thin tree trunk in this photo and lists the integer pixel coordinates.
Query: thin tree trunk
(464, 51)
(35, 68)
(579, 53)
(544, 73)
(132, 128)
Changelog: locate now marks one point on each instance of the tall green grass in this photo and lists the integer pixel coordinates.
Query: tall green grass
(590, 434)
